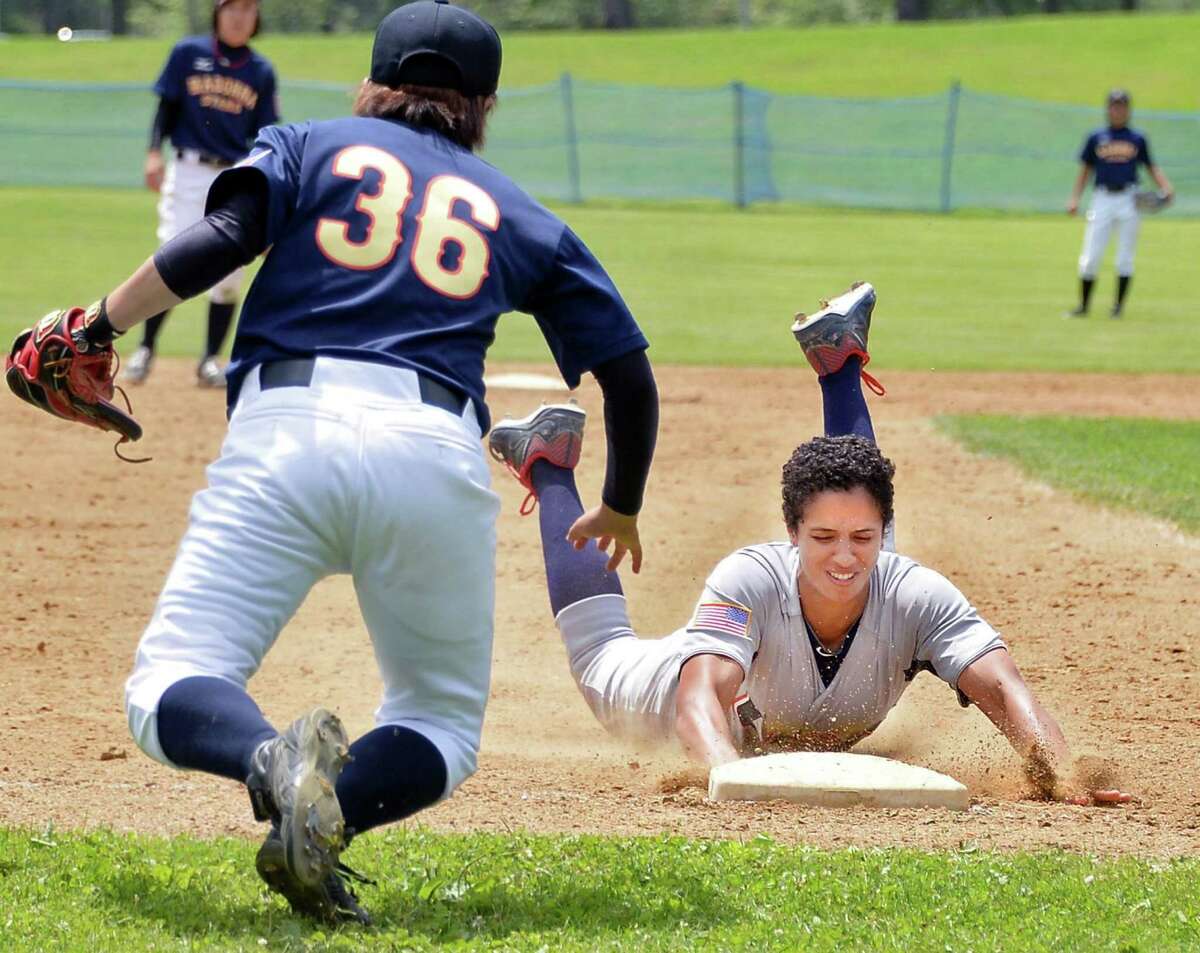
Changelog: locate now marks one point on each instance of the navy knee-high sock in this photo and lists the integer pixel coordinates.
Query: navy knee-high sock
(211, 725)
(151, 328)
(395, 772)
(571, 574)
(220, 316)
(844, 404)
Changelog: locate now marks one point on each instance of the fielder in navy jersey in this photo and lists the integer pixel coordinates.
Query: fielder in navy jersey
(354, 445)
(1111, 157)
(214, 95)
(405, 221)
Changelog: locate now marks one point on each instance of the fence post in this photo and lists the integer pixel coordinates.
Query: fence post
(948, 142)
(739, 143)
(574, 184)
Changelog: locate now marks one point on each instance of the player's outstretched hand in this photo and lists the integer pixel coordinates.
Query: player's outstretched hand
(607, 527)
(1089, 780)
(1100, 798)
(1072, 206)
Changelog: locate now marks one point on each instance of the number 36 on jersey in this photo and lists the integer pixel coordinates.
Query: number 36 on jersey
(436, 226)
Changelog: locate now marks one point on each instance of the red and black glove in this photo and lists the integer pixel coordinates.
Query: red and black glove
(57, 366)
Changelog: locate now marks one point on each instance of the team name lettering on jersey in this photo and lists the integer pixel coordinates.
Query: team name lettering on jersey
(1117, 150)
(223, 93)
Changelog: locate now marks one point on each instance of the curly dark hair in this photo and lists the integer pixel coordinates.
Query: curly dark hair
(836, 463)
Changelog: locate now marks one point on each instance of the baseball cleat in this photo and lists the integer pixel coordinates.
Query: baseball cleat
(839, 331)
(137, 368)
(1116, 311)
(553, 432)
(292, 784)
(1079, 312)
(210, 374)
(332, 900)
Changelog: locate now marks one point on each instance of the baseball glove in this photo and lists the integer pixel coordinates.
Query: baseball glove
(53, 366)
(1148, 201)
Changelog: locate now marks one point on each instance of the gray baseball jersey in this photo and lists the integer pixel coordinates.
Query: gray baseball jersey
(914, 620)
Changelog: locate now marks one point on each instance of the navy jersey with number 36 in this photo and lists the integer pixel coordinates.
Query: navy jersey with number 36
(390, 243)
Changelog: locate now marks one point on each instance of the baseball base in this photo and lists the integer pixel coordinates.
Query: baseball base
(835, 780)
(525, 382)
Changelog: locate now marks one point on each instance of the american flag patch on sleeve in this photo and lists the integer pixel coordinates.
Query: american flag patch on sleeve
(722, 617)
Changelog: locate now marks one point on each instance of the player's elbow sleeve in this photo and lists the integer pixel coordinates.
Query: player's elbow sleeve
(198, 258)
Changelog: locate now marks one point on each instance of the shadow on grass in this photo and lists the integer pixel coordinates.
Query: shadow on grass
(184, 909)
(593, 909)
(593, 903)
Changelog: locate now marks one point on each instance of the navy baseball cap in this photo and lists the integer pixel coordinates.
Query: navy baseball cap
(1118, 96)
(431, 43)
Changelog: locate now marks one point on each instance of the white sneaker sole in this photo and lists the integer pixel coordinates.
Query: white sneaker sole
(841, 305)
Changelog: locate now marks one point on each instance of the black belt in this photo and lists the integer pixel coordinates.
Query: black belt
(203, 158)
(1116, 188)
(298, 372)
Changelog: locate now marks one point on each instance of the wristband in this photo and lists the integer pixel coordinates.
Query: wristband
(97, 330)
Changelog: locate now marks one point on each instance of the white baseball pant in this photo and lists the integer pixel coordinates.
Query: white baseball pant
(352, 474)
(1110, 209)
(181, 204)
(628, 682)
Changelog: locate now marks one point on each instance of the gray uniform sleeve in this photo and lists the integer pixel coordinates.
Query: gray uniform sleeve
(731, 614)
(950, 633)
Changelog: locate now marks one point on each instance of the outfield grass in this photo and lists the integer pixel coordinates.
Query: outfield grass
(1152, 466)
(1064, 58)
(713, 286)
(102, 892)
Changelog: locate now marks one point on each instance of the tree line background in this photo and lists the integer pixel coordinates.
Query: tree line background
(169, 17)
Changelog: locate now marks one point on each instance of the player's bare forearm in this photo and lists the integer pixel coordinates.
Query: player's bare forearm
(707, 687)
(232, 234)
(1077, 189)
(1161, 180)
(995, 687)
(994, 684)
(142, 295)
(154, 170)
(704, 735)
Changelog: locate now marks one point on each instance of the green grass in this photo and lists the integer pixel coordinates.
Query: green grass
(102, 892)
(1066, 58)
(1152, 466)
(713, 286)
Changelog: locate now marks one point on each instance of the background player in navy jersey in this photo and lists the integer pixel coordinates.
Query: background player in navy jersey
(1112, 155)
(215, 94)
(357, 408)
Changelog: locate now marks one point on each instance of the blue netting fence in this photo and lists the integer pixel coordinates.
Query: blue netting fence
(575, 140)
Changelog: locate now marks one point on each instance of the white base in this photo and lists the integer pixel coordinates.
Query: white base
(526, 382)
(835, 780)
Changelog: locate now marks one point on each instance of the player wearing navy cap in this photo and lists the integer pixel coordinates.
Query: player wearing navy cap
(357, 407)
(215, 94)
(1111, 157)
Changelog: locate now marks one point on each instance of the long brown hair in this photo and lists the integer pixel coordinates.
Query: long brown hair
(462, 119)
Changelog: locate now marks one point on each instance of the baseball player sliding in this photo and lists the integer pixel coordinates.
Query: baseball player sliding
(357, 410)
(807, 643)
(215, 94)
(1111, 157)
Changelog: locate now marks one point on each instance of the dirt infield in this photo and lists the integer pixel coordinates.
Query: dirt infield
(1098, 607)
